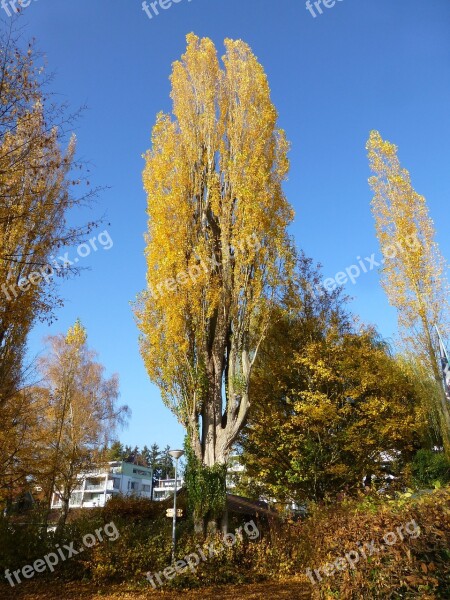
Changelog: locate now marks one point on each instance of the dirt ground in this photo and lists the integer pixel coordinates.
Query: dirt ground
(57, 591)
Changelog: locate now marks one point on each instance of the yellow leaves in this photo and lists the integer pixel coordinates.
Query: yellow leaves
(326, 409)
(217, 213)
(76, 335)
(35, 192)
(414, 273)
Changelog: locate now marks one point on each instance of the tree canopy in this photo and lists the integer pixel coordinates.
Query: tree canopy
(217, 246)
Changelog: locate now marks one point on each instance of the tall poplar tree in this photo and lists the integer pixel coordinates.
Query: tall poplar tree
(217, 246)
(414, 271)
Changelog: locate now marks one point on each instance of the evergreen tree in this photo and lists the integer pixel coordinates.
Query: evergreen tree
(115, 451)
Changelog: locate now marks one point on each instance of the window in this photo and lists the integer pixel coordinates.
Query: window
(75, 498)
(146, 488)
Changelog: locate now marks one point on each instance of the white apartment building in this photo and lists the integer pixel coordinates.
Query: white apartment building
(96, 487)
(234, 469)
(165, 488)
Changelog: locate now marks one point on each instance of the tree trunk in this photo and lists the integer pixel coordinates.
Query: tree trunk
(199, 526)
(224, 521)
(64, 513)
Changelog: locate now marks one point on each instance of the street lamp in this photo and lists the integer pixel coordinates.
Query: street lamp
(176, 454)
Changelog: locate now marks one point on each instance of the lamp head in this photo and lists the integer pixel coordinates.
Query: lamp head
(176, 453)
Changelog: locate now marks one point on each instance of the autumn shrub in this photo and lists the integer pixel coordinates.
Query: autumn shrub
(19, 542)
(247, 559)
(144, 541)
(22, 541)
(409, 568)
(223, 565)
(145, 545)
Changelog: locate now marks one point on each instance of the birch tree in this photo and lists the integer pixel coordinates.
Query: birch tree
(81, 412)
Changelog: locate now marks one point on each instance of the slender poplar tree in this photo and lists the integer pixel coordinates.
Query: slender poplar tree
(217, 246)
(414, 270)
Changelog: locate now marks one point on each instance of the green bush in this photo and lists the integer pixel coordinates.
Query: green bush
(429, 468)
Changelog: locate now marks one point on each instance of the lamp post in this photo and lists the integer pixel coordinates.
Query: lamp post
(176, 454)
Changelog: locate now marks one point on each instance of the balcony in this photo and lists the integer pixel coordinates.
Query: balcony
(72, 504)
(169, 483)
(93, 504)
(90, 487)
(95, 473)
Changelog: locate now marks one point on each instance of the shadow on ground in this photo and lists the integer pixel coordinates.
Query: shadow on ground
(58, 591)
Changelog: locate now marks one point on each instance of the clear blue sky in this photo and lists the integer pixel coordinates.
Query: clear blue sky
(362, 65)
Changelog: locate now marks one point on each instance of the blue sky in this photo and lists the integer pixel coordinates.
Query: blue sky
(361, 65)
